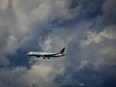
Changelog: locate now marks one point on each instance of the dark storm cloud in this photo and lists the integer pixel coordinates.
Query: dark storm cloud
(50, 25)
(108, 15)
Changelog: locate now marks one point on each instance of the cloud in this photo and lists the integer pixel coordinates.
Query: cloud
(85, 27)
(4, 35)
(3, 5)
(107, 33)
(108, 15)
(12, 77)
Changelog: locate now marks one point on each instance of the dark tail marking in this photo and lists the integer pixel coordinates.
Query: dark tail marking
(62, 51)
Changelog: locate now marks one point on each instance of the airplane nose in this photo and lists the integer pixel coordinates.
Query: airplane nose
(28, 53)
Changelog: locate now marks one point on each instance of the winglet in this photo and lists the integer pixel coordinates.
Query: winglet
(62, 51)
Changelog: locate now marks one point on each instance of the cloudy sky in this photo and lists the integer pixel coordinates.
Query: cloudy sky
(87, 28)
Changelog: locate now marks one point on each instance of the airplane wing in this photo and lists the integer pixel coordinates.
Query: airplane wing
(44, 56)
(38, 55)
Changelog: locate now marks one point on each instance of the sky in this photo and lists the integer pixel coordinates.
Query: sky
(87, 28)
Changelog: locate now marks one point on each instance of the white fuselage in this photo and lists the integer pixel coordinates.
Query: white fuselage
(45, 54)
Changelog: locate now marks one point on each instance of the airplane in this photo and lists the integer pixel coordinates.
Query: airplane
(46, 54)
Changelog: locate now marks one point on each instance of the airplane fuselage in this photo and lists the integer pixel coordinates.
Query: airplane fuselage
(46, 54)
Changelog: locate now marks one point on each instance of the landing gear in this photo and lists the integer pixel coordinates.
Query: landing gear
(48, 57)
(44, 58)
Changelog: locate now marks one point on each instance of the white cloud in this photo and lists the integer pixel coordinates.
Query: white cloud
(83, 64)
(51, 42)
(93, 37)
(40, 71)
(3, 4)
(11, 46)
(108, 33)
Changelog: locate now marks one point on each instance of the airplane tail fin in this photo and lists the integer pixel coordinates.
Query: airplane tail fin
(62, 51)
